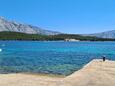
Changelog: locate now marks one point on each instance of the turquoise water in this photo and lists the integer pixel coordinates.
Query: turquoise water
(51, 57)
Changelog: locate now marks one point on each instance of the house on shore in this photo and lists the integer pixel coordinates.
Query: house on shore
(72, 40)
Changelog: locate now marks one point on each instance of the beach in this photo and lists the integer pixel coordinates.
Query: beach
(95, 73)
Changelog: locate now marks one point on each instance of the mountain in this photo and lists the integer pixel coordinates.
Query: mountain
(107, 34)
(12, 26)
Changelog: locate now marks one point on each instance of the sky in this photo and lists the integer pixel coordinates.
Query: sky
(68, 16)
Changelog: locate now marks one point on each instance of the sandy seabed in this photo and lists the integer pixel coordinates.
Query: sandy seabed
(95, 73)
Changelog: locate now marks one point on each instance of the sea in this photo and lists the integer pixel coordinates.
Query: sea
(51, 57)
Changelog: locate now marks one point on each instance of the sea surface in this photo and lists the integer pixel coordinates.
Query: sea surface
(51, 57)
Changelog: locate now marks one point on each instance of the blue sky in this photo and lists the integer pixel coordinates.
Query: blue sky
(69, 16)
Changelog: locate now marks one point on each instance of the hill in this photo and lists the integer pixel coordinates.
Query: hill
(23, 36)
(107, 34)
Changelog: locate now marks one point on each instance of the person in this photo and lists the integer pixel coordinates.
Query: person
(104, 58)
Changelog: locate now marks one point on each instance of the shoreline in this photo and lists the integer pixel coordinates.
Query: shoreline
(95, 73)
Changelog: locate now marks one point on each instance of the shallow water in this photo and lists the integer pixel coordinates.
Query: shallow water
(51, 57)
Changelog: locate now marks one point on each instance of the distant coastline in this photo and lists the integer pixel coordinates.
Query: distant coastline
(5, 35)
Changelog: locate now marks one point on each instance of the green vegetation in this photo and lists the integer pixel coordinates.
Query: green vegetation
(79, 37)
(38, 37)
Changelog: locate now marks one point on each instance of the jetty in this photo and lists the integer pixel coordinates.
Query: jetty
(95, 73)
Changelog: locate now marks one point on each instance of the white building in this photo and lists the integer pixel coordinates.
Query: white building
(71, 40)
